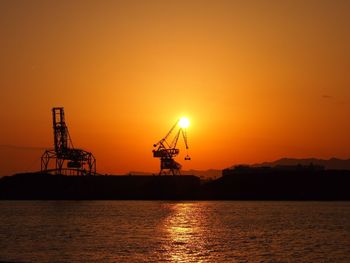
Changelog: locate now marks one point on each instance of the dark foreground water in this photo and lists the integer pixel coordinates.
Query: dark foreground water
(149, 231)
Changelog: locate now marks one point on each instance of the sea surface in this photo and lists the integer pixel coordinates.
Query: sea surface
(151, 231)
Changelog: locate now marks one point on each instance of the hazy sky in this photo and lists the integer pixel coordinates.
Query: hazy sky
(259, 80)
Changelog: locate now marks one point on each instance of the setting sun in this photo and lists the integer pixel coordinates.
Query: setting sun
(184, 123)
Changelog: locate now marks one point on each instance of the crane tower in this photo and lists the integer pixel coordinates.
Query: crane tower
(167, 151)
(67, 159)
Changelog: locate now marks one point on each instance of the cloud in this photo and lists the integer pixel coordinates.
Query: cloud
(327, 96)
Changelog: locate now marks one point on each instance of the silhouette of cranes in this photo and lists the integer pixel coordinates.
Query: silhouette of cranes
(64, 159)
(78, 161)
(167, 151)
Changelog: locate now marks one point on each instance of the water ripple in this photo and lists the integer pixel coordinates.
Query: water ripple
(137, 231)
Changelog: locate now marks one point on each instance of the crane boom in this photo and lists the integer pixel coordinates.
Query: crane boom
(166, 136)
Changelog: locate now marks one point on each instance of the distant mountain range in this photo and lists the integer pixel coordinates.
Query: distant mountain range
(205, 174)
(333, 163)
(330, 164)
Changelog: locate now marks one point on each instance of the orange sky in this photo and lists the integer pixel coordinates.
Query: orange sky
(259, 80)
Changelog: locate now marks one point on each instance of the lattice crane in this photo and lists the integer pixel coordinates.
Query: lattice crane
(68, 160)
(167, 151)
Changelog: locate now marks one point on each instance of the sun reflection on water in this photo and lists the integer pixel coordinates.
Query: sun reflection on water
(185, 228)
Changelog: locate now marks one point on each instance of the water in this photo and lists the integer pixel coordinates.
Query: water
(149, 231)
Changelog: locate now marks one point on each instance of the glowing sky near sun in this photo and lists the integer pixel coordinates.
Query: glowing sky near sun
(259, 80)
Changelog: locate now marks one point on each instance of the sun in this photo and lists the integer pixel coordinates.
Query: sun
(184, 123)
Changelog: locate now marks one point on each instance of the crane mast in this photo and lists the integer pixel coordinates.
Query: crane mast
(168, 151)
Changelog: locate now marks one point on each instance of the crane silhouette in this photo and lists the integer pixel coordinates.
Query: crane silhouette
(78, 161)
(167, 151)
